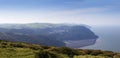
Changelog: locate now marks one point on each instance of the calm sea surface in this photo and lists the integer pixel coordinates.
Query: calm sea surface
(109, 38)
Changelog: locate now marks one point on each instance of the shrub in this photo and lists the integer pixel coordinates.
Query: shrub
(68, 51)
(108, 53)
(90, 56)
(48, 54)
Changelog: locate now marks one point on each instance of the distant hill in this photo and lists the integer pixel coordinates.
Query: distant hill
(46, 33)
(24, 50)
(35, 39)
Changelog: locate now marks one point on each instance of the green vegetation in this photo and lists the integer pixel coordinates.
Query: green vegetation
(25, 50)
(90, 56)
(16, 53)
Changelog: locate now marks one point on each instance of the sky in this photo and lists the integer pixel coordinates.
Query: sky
(90, 12)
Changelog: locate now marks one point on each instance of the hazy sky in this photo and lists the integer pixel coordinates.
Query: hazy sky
(91, 12)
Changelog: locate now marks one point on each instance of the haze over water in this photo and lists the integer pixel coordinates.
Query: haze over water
(109, 38)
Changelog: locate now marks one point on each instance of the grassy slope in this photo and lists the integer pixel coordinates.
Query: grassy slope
(16, 53)
(24, 50)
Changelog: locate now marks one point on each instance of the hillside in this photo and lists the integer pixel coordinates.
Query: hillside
(35, 39)
(25, 50)
(48, 34)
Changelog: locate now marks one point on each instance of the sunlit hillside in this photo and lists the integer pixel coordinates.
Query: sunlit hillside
(25, 50)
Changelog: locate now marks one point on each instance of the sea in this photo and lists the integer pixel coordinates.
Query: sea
(109, 38)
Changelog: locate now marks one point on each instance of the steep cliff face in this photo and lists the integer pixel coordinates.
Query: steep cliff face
(46, 34)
